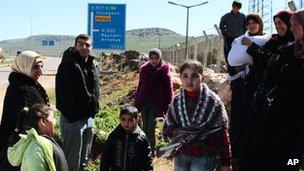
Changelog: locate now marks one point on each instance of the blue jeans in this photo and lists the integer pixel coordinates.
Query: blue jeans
(77, 140)
(191, 163)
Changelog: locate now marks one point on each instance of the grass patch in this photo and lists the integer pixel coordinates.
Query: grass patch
(105, 122)
(160, 141)
(51, 93)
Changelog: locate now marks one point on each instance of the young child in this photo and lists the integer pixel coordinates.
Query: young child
(37, 150)
(196, 124)
(127, 147)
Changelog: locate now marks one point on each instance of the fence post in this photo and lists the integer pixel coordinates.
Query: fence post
(205, 57)
(195, 50)
(220, 52)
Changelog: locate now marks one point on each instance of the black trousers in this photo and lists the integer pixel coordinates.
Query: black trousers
(227, 47)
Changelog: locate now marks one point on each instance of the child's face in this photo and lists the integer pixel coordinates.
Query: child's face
(154, 59)
(191, 80)
(128, 122)
(47, 125)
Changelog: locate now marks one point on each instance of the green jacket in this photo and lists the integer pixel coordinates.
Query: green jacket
(33, 152)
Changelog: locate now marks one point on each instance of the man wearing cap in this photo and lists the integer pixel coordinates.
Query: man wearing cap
(77, 95)
(154, 93)
(232, 25)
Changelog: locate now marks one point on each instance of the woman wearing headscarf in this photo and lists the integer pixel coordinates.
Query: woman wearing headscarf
(23, 91)
(154, 93)
(276, 42)
(242, 89)
(281, 141)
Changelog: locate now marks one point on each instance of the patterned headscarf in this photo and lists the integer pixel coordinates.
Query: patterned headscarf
(24, 62)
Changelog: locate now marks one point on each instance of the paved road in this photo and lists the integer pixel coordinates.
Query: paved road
(50, 67)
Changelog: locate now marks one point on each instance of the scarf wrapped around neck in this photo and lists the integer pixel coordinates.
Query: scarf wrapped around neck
(208, 118)
(209, 110)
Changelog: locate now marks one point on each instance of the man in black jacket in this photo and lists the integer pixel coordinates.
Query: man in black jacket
(77, 94)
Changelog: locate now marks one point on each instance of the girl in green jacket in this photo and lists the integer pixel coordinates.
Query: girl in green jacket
(37, 150)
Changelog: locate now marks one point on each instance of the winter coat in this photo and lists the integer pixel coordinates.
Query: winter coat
(273, 45)
(154, 87)
(126, 151)
(37, 153)
(278, 134)
(59, 157)
(23, 91)
(77, 86)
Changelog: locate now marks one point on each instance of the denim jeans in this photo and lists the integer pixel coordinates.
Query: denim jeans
(77, 140)
(191, 163)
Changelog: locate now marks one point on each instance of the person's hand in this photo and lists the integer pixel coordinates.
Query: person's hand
(226, 168)
(245, 41)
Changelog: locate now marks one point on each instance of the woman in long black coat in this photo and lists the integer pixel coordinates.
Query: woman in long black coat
(23, 91)
(280, 138)
(242, 89)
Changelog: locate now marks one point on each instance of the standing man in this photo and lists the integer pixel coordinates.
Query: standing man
(232, 25)
(77, 94)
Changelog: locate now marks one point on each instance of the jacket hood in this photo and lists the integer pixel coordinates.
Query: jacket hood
(19, 78)
(15, 153)
(71, 55)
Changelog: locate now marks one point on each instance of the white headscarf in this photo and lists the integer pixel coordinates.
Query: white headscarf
(24, 62)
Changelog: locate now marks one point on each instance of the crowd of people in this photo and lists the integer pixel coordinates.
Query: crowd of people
(265, 119)
(28, 122)
(263, 131)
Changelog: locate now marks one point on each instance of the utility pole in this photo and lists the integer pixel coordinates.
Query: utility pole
(187, 22)
(31, 26)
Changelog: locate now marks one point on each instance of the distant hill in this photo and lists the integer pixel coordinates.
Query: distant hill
(138, 39)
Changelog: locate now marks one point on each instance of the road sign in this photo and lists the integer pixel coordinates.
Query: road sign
(107, 25)
(44, 42)
(48, 42)
(51, 42)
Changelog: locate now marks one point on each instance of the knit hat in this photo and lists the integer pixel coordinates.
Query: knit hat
(156, 51)
(237, 3)
(24, 62)
(284, 15)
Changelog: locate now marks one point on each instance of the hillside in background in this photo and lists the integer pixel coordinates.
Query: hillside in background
(140, 40)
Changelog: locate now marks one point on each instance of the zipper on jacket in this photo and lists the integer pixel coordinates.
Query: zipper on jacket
(126, 154)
